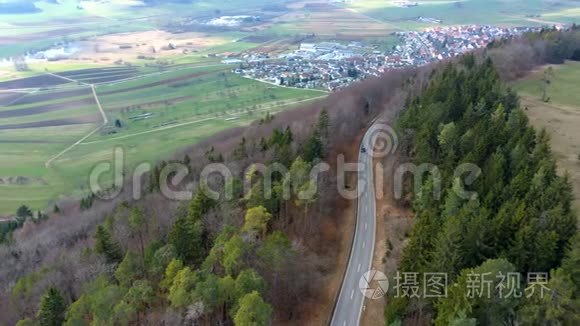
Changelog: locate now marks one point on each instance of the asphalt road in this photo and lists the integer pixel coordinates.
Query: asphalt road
(350, 302)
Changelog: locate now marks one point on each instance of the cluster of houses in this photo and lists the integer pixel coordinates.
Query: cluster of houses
(232, 21)
(438, 43)
(326, 65)
(405, 3)
(331, 66)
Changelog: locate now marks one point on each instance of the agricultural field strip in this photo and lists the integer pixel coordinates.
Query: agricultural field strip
(142, 86)
(87, 71)
(24, 94)
(96, 72)
(158, 95)
(39, 97)
(28, 89)
(49, 161)
(111, 107)
(105, 79)
(102, 73)
(38, 104)
(66, 78)
(36, 89)
(73, 110)
(289, 87)
(47, 106)
(376, 20)
(105, 121)
(97, 101)
(156, 74)
(58, 135)
(104, 116)
(105, 75)
(107, 83)
(198, 121)
(47, 115)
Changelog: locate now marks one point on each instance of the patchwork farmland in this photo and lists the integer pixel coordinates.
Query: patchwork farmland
(54, 128)
(467, 12)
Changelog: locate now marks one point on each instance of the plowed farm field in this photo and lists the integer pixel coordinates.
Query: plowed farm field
(56, 127)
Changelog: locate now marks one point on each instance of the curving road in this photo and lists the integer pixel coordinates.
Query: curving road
(349, 305)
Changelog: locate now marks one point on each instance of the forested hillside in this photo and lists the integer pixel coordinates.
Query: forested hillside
(518, 217)
(250, 259)
(254, 259)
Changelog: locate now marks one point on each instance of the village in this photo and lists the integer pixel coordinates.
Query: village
(334, 65)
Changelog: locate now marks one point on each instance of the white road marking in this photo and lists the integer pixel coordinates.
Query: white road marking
(358, 268)
(366, 226)
(364, 245)
(351, 294)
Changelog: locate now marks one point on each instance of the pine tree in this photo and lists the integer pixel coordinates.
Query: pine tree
(138, 225)
(200, 204)
(241, 152)
(23, 212)
(129, 270)
(188, 235)
(263, 145)
(323, 129)
(107, 246)
(52, 309)
(186, 238)
(313, 149)
(323, 124)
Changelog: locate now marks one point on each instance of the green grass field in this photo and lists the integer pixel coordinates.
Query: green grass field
(493, 12)
(185, 106)
(563, 88)
(560, 116)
